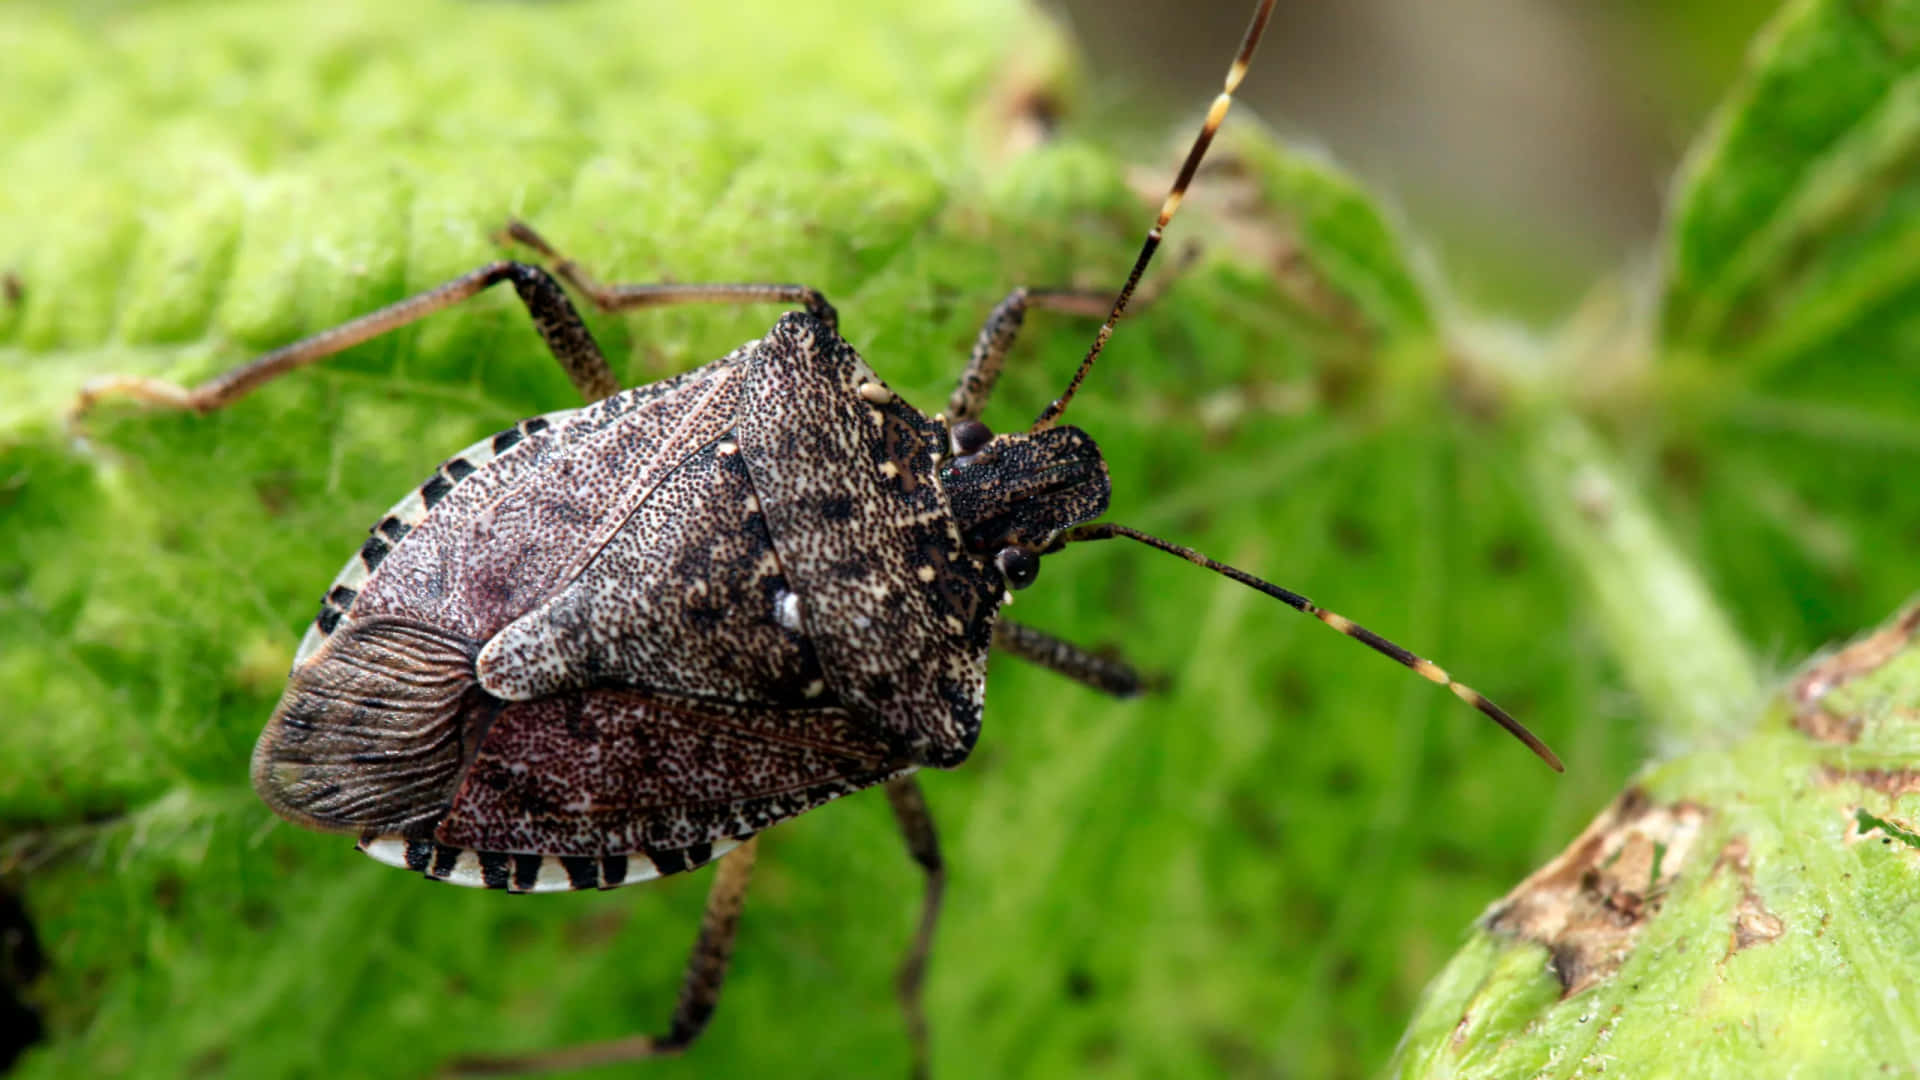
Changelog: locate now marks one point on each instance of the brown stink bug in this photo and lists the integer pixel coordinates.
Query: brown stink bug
(617, 642)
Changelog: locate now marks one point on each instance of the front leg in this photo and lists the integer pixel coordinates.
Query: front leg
(996, 336)
(553, 315)
(1003, 324)
(1103, 671)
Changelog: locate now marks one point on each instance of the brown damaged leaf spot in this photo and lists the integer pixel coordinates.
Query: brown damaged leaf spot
(1753, 924)
(1023, 111)
(1864, 824)
(1863, 657)
(1460, 1031)
(1589, 905)
(1893, 783)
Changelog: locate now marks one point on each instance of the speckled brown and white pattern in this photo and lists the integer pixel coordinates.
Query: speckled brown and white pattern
(849, 490)
(610, 772)
(512, 535)
(401, 519)
(654, 624)
(693, 567)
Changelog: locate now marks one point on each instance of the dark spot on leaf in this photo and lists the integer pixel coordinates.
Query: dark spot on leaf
(208, 1062)
(1683, 468)
(596, 929)
(1507, 557)
(275, 492)
(1352, 535)
(1295, 691)
(1249, 812)
(1346, 968)
(21, 963)
(257, 915)
(1079, 984)
(1342, 779)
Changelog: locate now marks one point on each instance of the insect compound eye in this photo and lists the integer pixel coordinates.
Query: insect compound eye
(1018, 565)
(969, 436)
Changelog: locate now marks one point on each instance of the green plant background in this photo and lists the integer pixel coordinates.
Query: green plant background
(1624, 532)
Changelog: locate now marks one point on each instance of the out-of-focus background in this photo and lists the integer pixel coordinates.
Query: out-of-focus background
(1531, 142)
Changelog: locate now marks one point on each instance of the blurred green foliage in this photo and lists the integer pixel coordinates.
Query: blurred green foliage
(1615, 533)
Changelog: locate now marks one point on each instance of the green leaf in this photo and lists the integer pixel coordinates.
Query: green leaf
(1726, 916)
(1257, 869)
(1795, 220)
(1785, 403)
(1140, 888)
(1743, 899)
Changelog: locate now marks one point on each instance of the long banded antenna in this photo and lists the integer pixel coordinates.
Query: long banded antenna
(1425, 668)
(1167, 209)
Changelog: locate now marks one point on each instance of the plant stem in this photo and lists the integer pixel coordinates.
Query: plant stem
(1673, 641)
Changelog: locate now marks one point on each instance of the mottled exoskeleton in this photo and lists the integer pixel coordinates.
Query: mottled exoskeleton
(619, 641)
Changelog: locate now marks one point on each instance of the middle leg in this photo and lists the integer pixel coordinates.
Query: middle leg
(699, 990)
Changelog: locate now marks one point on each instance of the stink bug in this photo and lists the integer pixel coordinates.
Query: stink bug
(617, 642)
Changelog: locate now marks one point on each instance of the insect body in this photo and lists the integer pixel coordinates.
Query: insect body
(630, 635)
(620, 641)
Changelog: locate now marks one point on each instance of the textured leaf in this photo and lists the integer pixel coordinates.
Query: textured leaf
(1727, 916)
(1795, 216)
(1255, 870)
(1141, 889)
(1789, 388)
(1744, 901)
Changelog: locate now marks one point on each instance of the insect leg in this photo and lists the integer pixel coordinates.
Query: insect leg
(699, 993)
(553, 315)
(613, 298)
(923, 843)
(1105, 673)
(996, 337)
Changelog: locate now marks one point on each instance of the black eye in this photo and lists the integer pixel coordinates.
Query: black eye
(969, 436)
(1018, 565)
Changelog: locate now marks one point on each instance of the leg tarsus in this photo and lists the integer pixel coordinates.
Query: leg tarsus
(699, 990)
(923, 843)
(553, 315)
